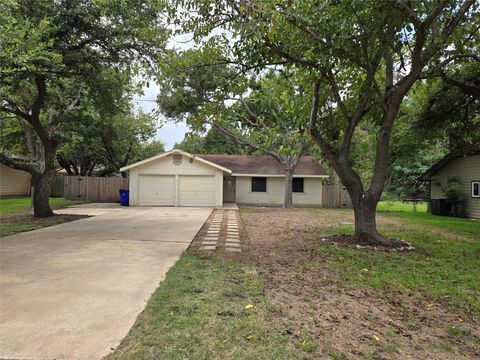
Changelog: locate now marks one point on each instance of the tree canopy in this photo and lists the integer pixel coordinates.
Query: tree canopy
(211, 142)
(56, 54)
(360, 60)
(265, 113)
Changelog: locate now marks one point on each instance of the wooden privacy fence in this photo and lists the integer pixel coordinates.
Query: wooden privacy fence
(335, 196)
(92, 188)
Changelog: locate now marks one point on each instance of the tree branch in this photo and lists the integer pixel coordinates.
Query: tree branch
(314, 132)
(431, 18)
(452, 24)
(336, 93)
(14, 110)
(41, 96)
(406, 11)
(29, 142)
(292, 58)
(54, 120)
(18, 165)
(242, 141)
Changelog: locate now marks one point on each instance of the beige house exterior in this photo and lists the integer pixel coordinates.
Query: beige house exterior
(467, 170)
(312, 194)
(177, 178)
(14, 182)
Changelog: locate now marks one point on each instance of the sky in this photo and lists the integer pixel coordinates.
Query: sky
(169, 133)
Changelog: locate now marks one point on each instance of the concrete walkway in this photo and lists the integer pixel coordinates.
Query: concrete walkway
(73, 291)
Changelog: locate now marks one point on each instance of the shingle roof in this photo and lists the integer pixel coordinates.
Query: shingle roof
(264, 165)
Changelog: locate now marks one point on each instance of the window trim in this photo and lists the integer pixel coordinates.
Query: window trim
(251, 184)
(471, 189)
(303, 185)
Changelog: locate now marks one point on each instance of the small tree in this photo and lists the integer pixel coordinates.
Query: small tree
(266, 114)
(271, 119)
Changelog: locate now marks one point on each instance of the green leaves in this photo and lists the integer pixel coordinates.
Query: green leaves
(78, 58)
(25, 46)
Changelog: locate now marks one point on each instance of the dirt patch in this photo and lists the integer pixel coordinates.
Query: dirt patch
(352, 242)
(329, 320)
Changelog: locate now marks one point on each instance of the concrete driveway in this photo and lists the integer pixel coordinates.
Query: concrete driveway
(72, 291)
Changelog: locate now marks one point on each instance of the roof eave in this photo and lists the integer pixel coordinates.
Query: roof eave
(278, 175)
(174, 151)
(440, 164)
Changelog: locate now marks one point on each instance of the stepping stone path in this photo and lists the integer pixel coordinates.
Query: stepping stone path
(210, 242)
(232, 240)
(232, 237)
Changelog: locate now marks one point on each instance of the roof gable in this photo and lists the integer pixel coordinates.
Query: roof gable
(174, 151)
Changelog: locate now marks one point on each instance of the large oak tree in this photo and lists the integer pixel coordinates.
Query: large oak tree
(53, 54)
(362, 58)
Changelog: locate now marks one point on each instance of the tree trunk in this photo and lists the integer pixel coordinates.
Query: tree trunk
(92, 167)
(64, 163)
(288, 200)
(364, 209)
(365, 220)
(42, 184)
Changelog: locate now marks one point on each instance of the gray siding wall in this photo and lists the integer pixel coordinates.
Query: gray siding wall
(467, 169)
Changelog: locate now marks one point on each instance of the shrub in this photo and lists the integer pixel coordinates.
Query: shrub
(455, 193)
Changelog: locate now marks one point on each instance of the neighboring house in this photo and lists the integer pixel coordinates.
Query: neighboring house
(177, 178)
(14, 182)
(464, 168)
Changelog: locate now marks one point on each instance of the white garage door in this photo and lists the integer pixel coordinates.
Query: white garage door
(195, 190)
(156, 190)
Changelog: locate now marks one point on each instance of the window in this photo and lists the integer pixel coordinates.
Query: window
(177, 159)
(297, 185)
(259, 184)
(476, 189)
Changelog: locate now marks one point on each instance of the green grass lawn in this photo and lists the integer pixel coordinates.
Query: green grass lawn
(10, 206)
(400, 206)
(15, 215)
(206, 308)
(398, 209)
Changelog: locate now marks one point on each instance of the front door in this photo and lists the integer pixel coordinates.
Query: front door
(228, 189)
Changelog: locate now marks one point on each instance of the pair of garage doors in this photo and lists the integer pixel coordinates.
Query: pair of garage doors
(161, 190)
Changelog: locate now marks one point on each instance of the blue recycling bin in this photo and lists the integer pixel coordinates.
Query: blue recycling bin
(124, 195)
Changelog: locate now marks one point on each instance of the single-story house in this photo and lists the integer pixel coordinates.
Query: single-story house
(14, 182)
(467, 170)
(177, 178)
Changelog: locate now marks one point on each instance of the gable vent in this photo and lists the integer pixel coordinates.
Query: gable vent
(177, 159)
